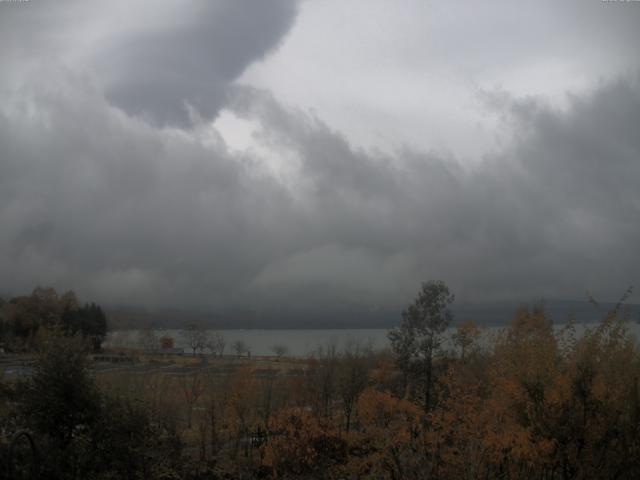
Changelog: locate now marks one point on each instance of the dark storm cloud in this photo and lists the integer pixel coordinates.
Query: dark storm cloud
(158, 59)
(116, 208)
(158, 73)
(96, 196)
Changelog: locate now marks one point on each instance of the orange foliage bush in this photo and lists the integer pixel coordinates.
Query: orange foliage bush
(301, 444)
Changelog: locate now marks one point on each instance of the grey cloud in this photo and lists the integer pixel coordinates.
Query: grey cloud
(155, 59)
(125, 211)
(118, 197)
(554, 214)
(121, 210)
(157, 73)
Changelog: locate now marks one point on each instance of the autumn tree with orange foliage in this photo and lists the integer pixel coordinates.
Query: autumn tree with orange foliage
(303, 445)
(534, 402)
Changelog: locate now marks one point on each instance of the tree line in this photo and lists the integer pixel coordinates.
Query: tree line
(23, 318)
(532, 402)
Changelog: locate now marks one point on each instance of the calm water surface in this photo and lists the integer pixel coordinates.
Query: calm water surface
(305, 342)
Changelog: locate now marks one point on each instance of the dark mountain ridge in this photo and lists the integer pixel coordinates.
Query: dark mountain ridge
(483, 313)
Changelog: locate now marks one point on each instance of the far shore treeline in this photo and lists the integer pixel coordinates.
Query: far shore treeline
(24, 318)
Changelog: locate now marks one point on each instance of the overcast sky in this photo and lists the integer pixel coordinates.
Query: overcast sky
(261, 153)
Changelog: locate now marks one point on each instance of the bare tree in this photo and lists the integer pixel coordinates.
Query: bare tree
(196, 337)
(353, 376)
(280, 350)
(218, 392)
(323, 373)
(242, 406)
(192, 388)
(240, 347)
(216, 344)
(266, 386)
(148, 339)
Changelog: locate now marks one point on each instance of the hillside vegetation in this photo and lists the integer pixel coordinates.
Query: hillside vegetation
(536, 404)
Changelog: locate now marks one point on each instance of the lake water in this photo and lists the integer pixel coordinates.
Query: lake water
(261, 342)
(304, 342)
